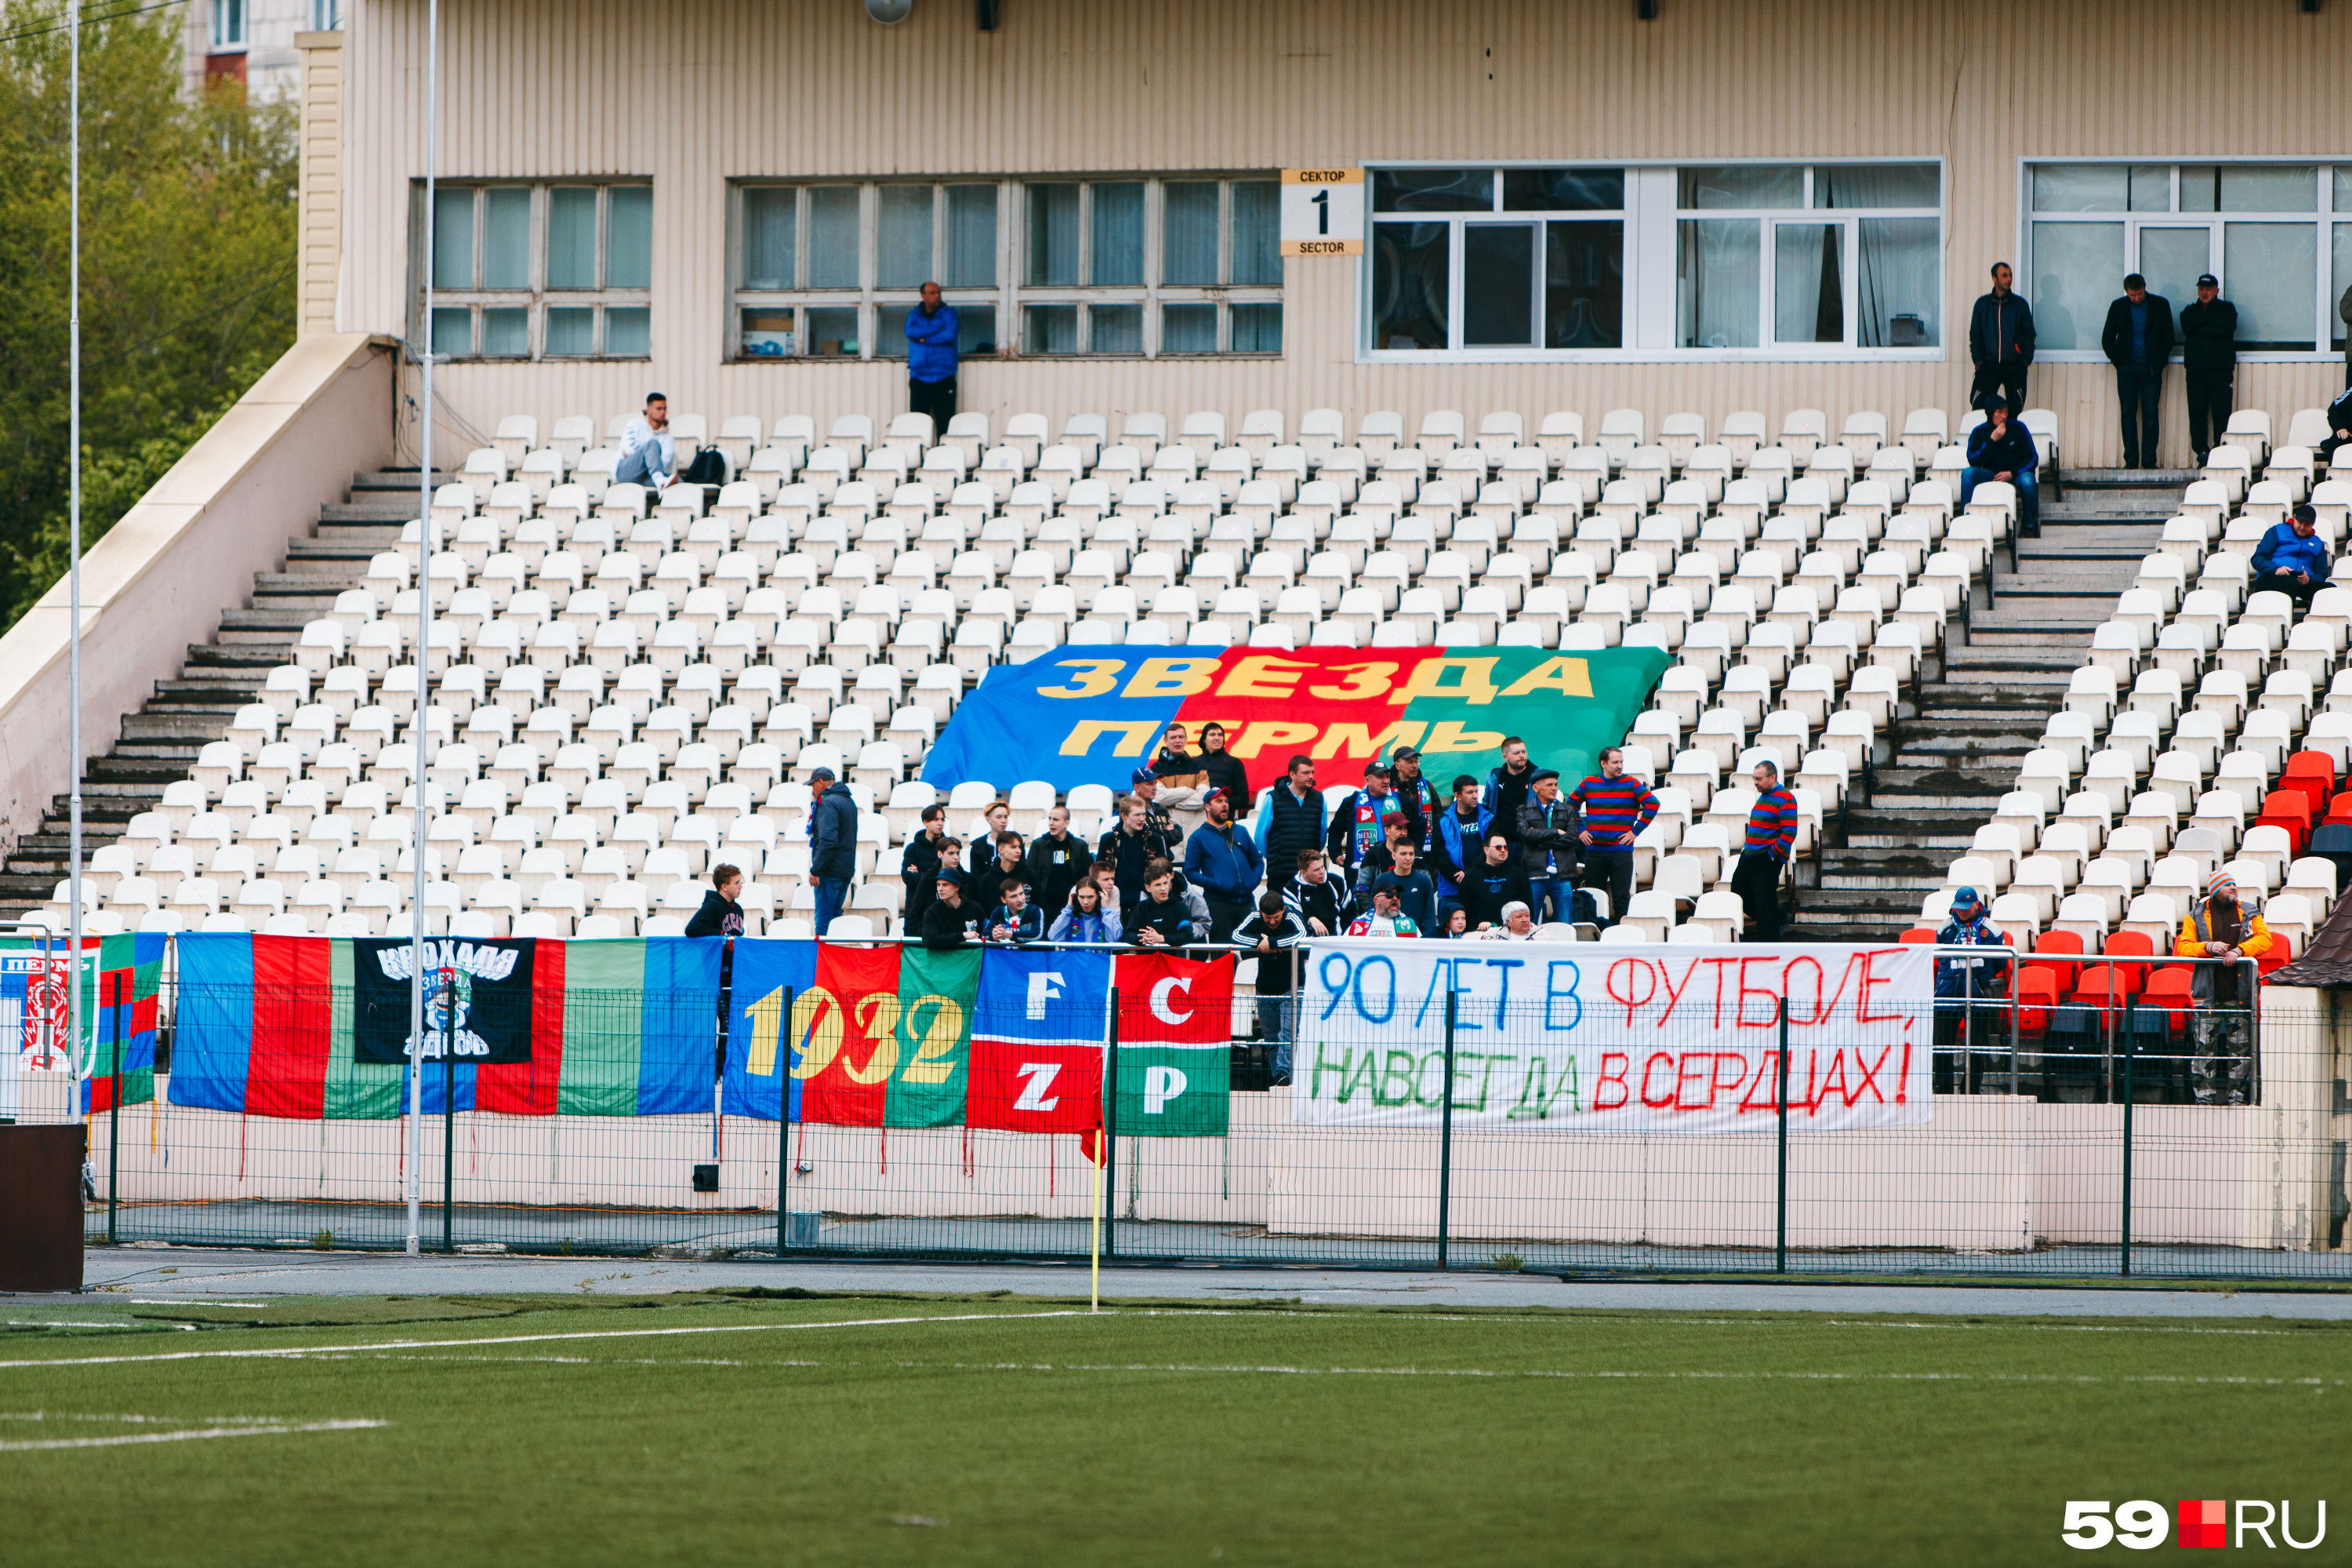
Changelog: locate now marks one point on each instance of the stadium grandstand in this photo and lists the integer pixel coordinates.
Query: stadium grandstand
(1622, 343)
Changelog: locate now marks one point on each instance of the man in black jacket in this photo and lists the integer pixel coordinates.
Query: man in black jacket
(1292, 819)
(832, 845)
(1322, 902)
(1131, 847)
(2209, 349)
(2001, 340)
(919, 868)
(1547, 837)
(1499, 881)
(2339, 426)
(1056, 861)
(2137, 339)
(948, 921)
(1159, 917)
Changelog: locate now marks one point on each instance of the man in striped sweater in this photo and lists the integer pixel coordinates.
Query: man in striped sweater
(1771, 838)
(1612, 808)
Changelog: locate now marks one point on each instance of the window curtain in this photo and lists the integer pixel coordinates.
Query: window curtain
(1720, 266)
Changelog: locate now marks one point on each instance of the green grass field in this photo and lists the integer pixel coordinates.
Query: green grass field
(806, 1430)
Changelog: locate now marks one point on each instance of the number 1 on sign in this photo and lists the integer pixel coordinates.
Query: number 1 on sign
(1322, 200)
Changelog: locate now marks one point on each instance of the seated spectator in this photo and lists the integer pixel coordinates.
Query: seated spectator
(2002, 448)
(948, 922)
(1160, 917)
(1273, 935)
(2339, 417)
(1105, 888)
(1321, 901)
(1084, 918)
(1387, 917)
(1519, 924)
(1498, 883)
(648, 453)
(2291, 559)
(1454, 925)
(1016, 920)
(2221, 927)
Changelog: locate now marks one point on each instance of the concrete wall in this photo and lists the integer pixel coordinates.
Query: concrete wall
(161, 577)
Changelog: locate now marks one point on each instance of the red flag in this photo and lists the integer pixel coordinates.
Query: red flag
(1170, 1001)
(1090, 1144)
(845, 1030)
(1027, 1086)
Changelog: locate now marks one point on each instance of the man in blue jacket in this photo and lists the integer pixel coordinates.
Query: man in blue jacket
(932, 329)
(2291, 559)
(1224, 860)
(2002, 448)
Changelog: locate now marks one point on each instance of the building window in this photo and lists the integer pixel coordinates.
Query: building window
(326, 15)
(228, 24)
(1778, 259)
(554, 270)
(1149, 267)
(2273, 233)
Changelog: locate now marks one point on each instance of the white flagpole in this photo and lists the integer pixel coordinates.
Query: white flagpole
(417, 728)
(73, 551)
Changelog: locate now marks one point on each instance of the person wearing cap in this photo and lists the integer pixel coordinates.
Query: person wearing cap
(948, 922)
(1360, 824)
(1417, 797)
(2002, 450)
(1771, 839)
(1148, 787)
(1960, 981)
(2209, 354)
(1387, 916)
(832, 844)
(2137, 339)
(1547, 846)
(2219, 927)
(2000, 342)
(2291, 559)
(1223, 862)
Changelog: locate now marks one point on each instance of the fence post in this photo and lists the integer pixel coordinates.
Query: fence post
(114, 1114)
(448, 1109)
(2130, 1050)
(1781, 1174)
(1110, 1132)
(783, 1121)
(1445, 1134)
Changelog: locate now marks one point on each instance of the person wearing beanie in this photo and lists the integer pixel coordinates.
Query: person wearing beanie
(2220, 926)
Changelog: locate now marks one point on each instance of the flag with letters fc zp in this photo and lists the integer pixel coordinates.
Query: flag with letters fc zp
(1037, 1036)
(1175, 1063)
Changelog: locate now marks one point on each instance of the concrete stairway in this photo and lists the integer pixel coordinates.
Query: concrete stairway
(159, 743)
(1954, 749)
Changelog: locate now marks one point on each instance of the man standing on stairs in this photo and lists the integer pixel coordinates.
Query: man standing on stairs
(1771, 839)
(2139, 341)
(2209, 352)
(2002, 450)
(2000, 342)
(1613, 807)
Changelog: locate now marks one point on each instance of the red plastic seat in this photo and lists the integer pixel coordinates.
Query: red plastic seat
(1918, 936)
(2056, 944)
(2280, 954)
(2129, 944)
(2037, 991)
(2340, 807)
(2314, 773)
(2169, 988)
(2095, 988)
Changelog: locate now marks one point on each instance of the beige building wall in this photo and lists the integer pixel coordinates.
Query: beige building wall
(318, 218)
(693, 96)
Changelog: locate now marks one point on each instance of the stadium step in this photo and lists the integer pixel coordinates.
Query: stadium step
(160, 742)
(1953, 748)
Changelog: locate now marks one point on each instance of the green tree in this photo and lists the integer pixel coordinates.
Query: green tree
(188, 254)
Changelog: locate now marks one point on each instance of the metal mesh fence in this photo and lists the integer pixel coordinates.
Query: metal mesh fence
(2164, 1135)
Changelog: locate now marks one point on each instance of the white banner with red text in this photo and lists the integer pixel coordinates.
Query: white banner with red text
(1669, 1038)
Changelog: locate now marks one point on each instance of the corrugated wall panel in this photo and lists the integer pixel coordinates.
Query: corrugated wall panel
(696, 95)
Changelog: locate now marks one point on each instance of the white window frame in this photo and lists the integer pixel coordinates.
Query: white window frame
(226, 39)
(880, 310)
(1650, 214)
(2323, 215)
(536, 298)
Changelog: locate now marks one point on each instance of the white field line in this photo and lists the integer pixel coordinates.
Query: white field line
(189, 1435)
(1544, 1372)
(296, 1351)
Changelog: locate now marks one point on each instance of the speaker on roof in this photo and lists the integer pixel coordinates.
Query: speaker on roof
(889, 13)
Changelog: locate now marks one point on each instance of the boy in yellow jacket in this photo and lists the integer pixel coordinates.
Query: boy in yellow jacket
(2220, 926)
